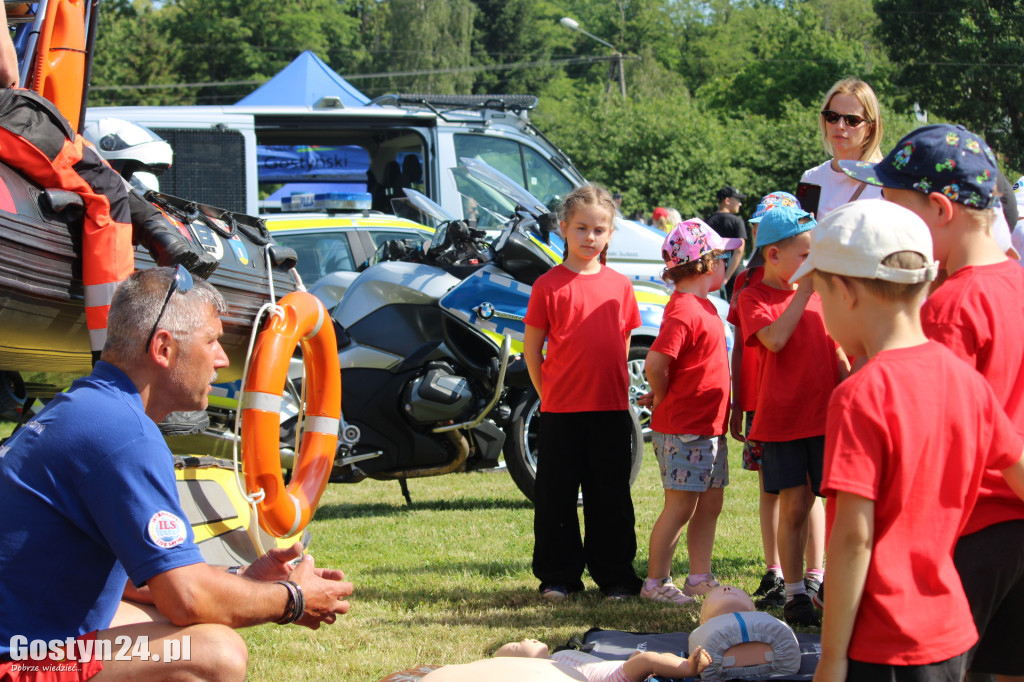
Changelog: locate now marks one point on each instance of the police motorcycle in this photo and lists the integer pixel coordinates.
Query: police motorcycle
(432, 382)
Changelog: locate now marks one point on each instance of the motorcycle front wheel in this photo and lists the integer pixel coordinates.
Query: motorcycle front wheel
(521, 443)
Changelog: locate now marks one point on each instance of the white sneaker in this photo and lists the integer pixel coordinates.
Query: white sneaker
(701, 588)
(666, 593)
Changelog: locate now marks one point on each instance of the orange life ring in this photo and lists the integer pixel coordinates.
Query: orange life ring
(285, 511)
(59, 70)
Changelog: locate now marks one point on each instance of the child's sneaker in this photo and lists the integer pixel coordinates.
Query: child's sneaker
(701, 588)
(771, 593)
(774, 598)
(555, 593)
(800, 611)
(819, 597)
(666, 593)
(812, 585)
(769, 582)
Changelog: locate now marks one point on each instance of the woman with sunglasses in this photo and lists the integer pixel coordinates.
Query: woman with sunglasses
(851, 130)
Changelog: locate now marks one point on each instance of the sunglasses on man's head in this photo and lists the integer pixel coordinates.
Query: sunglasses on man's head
(852, 120)
(182, 282)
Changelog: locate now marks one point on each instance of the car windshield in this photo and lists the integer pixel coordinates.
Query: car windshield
(320, 252)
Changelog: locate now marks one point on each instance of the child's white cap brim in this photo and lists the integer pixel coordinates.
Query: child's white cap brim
(855, 238)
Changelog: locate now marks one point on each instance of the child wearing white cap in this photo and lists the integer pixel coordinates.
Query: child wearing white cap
(688, 368)
(908, 439)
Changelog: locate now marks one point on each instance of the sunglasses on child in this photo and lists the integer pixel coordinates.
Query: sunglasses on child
(182, 282)
(852, 120)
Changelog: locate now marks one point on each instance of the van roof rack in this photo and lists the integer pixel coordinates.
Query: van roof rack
(516, 103)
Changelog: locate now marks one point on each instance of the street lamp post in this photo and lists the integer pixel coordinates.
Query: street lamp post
(617, 67)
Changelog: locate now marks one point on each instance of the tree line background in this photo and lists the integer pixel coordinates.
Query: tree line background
(718, 91)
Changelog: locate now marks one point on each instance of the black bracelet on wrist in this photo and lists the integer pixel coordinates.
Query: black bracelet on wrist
(234, 570)
(300, 603)
(296, 603)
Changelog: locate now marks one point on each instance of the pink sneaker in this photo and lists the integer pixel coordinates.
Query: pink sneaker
(701, 588)
(666, 593)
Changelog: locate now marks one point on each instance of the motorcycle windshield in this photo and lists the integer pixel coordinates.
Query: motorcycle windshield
(423, 209)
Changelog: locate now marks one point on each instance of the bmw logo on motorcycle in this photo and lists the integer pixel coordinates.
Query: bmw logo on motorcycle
(485, 311)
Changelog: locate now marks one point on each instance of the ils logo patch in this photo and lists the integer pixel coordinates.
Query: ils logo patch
(167, 530)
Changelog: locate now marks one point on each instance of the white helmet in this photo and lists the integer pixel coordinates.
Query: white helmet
(129, 147)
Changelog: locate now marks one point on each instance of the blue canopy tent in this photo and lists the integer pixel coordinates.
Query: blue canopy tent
(306, 81)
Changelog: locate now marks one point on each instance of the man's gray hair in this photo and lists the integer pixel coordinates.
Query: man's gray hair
(137, 303)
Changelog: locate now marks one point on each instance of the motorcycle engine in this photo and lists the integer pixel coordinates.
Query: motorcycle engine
(438, 395)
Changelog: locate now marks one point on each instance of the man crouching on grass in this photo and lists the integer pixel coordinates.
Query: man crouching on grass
(89, 509)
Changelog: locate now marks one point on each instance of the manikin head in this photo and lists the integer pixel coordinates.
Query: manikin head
(527, 648)
(723, 600)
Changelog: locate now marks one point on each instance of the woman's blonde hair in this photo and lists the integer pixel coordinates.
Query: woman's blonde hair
(670, 220)
(587, 195)
(855, 87)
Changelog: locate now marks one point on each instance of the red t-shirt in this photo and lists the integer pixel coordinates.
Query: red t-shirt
(697, 401)
(746, 390)
(978, 313)
(587, 320)
(913, 430)
(794, 384)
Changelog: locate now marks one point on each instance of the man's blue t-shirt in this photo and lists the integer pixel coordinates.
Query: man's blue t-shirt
(87, 499)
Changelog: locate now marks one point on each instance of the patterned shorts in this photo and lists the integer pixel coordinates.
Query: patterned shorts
(752, 449)
(692, 463)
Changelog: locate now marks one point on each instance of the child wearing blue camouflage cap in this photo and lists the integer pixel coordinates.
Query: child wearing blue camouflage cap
(947, 175)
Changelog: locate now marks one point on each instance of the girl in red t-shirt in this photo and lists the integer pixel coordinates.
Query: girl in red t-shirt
(688, 367)
(586, 312)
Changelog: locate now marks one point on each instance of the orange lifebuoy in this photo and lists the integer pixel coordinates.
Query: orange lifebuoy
(59, 70)
(285, 511)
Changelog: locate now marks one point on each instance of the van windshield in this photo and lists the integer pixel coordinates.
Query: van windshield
(310, 169)
(523, 164)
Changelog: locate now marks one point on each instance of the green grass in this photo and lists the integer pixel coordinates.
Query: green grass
(448, 579)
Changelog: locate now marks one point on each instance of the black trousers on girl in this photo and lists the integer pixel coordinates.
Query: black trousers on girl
(589, 451)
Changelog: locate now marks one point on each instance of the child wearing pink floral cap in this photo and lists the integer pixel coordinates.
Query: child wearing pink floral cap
(688, 369)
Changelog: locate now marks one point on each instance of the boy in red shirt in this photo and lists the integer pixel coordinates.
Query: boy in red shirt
(800, 365)
(947, 176)
(745, 374)
(909, 437)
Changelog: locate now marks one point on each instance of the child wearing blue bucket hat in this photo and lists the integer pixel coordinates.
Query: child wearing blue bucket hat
(800, 365)
(745, 373)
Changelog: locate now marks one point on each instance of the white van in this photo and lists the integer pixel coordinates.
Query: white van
(267, 159)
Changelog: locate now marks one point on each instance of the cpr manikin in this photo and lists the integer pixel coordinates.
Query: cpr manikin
(528, 661)
(743, 642)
